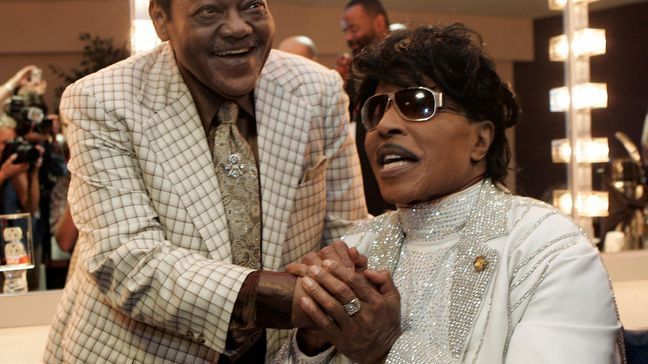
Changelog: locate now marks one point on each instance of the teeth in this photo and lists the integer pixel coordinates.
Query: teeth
(235, 51)
(393, 165)
(391, 158)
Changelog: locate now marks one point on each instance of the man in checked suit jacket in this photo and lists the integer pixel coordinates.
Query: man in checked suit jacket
(155, 281)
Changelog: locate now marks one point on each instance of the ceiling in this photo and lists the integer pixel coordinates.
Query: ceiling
(513, 8)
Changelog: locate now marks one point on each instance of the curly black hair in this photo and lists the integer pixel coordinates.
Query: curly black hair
(454, 58)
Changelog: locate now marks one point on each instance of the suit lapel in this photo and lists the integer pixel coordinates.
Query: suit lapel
(178, 139)
(283, 122)
(475, 263)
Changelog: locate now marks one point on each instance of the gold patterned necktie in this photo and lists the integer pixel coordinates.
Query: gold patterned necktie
(239, 186)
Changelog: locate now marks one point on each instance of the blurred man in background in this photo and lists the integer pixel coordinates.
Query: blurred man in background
(363, 22)
(300, 45)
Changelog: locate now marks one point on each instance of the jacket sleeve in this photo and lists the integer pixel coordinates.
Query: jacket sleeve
(563, 298)
(345, 201)
(123, 247)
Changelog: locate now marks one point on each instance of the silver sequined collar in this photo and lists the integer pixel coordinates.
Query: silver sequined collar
(428, 221)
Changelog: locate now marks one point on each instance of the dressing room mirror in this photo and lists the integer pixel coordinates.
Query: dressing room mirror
(516, 33)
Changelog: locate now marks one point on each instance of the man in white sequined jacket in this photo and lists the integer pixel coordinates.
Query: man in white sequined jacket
(479, 275)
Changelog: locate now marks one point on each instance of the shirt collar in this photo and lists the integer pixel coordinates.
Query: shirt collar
(207, 101)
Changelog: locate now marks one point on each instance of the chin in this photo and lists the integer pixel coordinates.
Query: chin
(237, 88)
(395, 198)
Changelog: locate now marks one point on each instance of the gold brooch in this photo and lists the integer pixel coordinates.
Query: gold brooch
(480, 263)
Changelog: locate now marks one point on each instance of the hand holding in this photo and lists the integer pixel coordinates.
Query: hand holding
(363, 335)
(21, 78)
(338, 251)
(10, 169)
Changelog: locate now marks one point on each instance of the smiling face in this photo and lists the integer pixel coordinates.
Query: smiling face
(422, 161)
(360, 28)
(222, 43)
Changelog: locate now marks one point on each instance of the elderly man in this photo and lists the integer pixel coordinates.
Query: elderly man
(197, 170)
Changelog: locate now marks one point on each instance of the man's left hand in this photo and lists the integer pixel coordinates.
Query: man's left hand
(338, 252)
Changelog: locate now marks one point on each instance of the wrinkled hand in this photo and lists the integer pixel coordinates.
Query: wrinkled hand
(367, 336)
(311, 341)
(338, 252)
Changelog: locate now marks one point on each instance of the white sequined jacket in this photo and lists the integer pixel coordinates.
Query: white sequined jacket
(526, 286)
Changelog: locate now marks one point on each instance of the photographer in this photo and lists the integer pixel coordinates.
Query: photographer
(20, 188)
(19, 185)
(32, 137)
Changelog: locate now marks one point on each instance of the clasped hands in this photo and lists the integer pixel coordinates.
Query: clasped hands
(328, 281)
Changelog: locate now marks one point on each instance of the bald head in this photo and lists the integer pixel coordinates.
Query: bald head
(299, 45)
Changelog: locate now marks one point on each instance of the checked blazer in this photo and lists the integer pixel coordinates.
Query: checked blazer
(155, 281)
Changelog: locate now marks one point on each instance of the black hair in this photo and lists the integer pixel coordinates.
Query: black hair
(372, 7)
(453, 57)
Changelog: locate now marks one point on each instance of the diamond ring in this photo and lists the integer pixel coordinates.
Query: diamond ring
(352, 307)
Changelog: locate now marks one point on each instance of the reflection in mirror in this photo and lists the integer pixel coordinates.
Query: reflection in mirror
(516, 34)
(621, 69)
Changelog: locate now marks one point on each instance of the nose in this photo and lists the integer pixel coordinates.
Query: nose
(391, 123)
(234, 25)
(348, 36)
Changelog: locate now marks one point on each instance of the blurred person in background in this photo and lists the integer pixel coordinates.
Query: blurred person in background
(34, 132)
(363, 22)
(20, 188)
(17, 81)
(19, 181)
(61, 224)
(300, 45)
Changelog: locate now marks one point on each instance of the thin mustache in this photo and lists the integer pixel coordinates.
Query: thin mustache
(389, 148)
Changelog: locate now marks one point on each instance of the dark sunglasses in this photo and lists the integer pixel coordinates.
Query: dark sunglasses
(412, 104)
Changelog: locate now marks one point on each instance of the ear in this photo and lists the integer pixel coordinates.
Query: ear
(380, 24)
(485, 132)
(160, 20)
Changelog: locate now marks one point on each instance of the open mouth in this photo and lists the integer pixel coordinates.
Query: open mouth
(392, 156)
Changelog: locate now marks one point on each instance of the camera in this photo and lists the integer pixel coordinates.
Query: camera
(36, 75)
(26, 152)
(28, 116)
